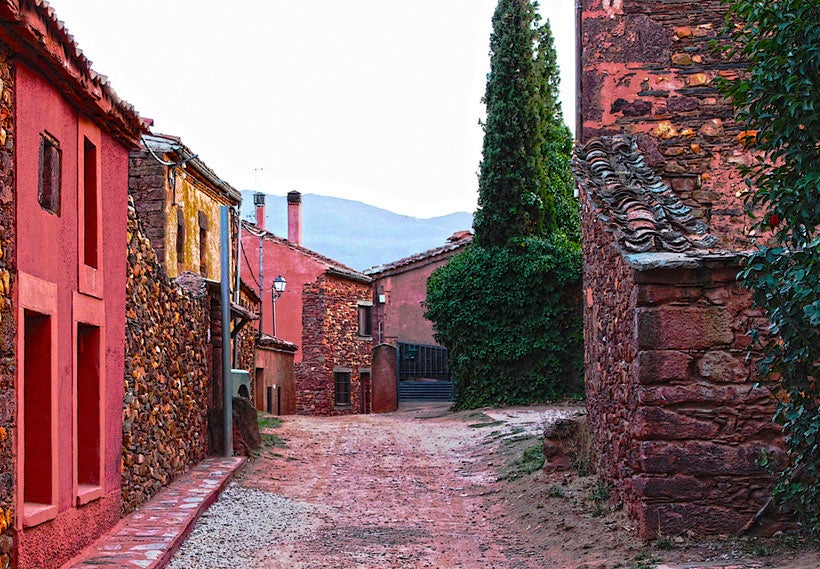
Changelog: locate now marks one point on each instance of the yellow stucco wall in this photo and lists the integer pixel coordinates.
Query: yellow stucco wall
(193, 196)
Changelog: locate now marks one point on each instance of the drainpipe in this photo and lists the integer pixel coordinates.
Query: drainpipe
(227, 382)
(261, 285)
(579, 70)
(237, 293)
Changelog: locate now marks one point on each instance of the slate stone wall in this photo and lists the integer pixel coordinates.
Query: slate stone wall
(147, 186)
(167, 374)
(8, 321)
(676, 418)
(648, 69)
(246, 342)
(330, 341)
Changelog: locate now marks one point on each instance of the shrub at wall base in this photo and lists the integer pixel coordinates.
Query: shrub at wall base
(511, 319)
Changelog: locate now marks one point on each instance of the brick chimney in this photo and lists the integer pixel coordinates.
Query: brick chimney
(295, 217)
(259, 202)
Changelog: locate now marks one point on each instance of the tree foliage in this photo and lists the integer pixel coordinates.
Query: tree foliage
(508, 307)
(778, 98)
(509, 202)
(557, 182)
(525, 180)
(511, 320)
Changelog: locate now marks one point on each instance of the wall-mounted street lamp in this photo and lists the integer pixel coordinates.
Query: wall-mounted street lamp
(279, 284)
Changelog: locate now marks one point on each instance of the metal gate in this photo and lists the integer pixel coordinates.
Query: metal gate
(423, 373)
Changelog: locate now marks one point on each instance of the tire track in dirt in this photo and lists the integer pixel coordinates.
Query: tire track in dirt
(387, 492)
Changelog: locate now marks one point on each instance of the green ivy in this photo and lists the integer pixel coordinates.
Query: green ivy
(778, 99)
(511, 319)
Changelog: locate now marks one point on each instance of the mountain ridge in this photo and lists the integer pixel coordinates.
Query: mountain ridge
(355, 233)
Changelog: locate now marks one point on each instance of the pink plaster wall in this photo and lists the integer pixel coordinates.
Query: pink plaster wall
(48, 250)
(277, 372)
(402, 315)
(280, 258)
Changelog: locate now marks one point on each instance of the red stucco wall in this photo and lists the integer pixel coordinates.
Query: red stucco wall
(402, 315)
(48, 250)
(277, 372)
(279, 258)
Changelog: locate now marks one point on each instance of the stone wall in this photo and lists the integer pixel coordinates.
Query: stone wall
(330, 341)
(8, 322)
(167, 374)
(648, 70)
(146, 185)
(677, 420)
(246, 340)
(385, 379)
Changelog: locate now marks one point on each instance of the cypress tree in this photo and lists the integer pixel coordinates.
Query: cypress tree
(557, 183)
(509, 201)
(508, 308)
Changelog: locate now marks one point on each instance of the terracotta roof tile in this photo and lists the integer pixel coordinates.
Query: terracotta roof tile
(32, 29)
(453, 245)
(632, 198)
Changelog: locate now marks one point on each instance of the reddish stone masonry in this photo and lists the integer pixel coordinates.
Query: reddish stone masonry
(331, 343)
(676, 417)
(648, 70)
(8, 323)
(167, 374)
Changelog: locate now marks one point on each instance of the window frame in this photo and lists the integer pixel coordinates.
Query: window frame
(91, 279)
(364, 325)
(347, 377)
(39, 296)
(88, 312)
(50, 199)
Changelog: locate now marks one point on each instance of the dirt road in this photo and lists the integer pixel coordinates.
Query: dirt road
(403, 490)
(424, 488)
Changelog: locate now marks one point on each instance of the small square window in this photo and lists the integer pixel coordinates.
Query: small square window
(365, 320)
(50, 175)
(342, 387)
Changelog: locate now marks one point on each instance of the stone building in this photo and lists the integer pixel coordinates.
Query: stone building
(178, 198)
(174, 325)
(64, 143)
(674, 410)
(325, 310)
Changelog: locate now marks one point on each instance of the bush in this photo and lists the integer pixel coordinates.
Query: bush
(511, 319)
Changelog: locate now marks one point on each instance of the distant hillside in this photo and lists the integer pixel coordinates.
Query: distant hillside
(356, 234)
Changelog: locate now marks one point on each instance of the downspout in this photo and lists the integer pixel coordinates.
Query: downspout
(237, 296)
(261, 285)
(579, 70)
(227, 380)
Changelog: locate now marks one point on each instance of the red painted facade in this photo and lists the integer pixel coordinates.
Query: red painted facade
(400, 288)
(68, 273)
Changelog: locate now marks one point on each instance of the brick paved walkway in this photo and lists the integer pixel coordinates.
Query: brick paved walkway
(148, 538)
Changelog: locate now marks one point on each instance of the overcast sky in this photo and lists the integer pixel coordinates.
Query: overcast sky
(372, 100)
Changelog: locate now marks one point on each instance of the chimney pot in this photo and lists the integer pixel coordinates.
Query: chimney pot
(259, 202)
(295, 217)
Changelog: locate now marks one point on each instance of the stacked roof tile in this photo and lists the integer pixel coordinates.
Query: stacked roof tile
(632, 198)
